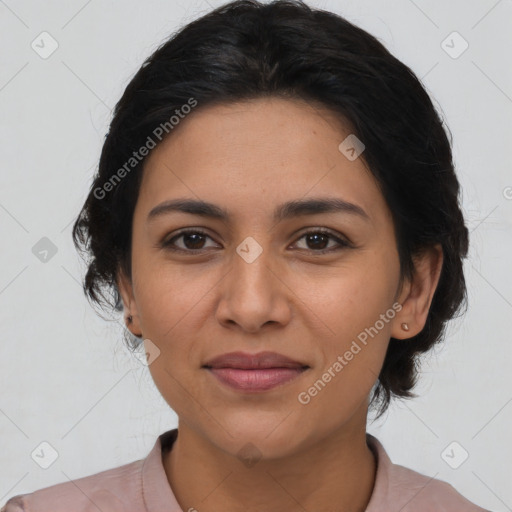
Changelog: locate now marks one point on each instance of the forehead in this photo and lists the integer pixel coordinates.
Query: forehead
(252, 155)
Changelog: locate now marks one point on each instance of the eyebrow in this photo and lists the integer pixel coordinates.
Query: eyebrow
(284, 211)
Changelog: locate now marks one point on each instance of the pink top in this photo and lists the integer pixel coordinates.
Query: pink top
(142, 486)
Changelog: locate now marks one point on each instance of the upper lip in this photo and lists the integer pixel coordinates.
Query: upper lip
(245, 361)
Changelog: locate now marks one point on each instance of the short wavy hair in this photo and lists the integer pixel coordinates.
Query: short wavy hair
(246, 49)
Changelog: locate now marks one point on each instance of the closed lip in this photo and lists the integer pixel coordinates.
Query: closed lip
(246, 361)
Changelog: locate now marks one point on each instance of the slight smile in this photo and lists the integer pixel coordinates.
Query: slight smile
(254, 372)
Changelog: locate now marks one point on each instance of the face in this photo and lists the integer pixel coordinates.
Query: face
(317, 286)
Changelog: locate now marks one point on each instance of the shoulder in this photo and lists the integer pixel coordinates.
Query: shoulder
(114, 490)
(422, 493)
(401, 488)
(128, 488)
(15, 504)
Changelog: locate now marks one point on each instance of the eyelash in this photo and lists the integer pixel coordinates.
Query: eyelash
(343, 244)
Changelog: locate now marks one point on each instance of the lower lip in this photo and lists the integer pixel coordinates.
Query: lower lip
(255, 380)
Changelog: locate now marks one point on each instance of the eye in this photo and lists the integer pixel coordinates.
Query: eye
(192, 239)
(317, 240)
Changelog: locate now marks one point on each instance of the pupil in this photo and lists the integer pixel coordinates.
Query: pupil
(315, 237)
(197, 240)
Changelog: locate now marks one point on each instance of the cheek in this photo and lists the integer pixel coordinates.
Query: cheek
(168, 296)
(169, 303)
(347, 299)
(354, 305)
(359, 314)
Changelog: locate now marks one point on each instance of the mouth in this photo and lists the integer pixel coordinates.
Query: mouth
(254, 372)
(262, 379)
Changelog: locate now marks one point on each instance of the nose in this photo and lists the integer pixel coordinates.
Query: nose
(254, 294)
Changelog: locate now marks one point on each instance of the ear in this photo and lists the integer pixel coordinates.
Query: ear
(417, 293)
(130, 307)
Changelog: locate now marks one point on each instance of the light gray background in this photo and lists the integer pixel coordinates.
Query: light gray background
(65, 376)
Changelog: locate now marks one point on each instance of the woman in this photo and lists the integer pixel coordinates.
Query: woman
(276, 211)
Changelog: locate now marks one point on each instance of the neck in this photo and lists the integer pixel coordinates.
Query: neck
(335, 473)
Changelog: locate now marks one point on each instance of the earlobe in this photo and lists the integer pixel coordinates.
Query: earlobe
(417, 296)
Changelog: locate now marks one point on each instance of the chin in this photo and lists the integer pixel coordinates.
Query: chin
(259, 436)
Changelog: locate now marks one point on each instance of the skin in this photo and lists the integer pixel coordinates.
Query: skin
(248, 158)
